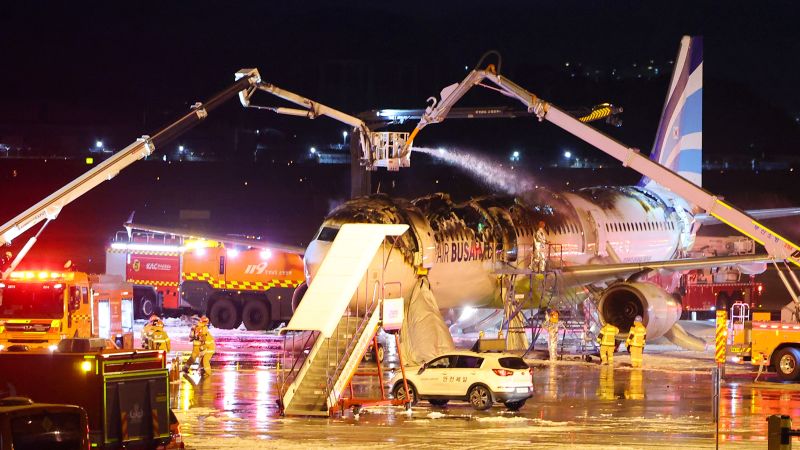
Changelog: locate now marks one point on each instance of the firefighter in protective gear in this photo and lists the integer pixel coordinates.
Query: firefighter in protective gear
(539, 260)
(552, 325)
(207, 347)
(636, 340)
(196, 337)
(608, 343)
(154, 337)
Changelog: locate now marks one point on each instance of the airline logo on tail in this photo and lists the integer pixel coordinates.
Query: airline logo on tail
(679, 140)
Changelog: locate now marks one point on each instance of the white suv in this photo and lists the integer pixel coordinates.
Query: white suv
(479, 378)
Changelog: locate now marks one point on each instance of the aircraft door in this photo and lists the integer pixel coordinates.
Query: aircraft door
(509, 233)
(598, 235)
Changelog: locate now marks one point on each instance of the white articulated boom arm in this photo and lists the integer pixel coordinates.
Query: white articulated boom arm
(778, 247)
(49, 207)
(377, 148)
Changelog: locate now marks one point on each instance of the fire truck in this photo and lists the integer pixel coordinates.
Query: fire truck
(233, 281)
(756, 339)
(125, 393)
(703, 291)
(39, 308)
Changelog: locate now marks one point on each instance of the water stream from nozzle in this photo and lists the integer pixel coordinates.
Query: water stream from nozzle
(486, 170)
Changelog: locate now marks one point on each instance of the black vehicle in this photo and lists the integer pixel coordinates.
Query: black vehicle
(25, 425)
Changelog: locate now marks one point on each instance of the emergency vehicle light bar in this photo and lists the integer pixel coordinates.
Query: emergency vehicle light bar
(42, 275)
(146, 247)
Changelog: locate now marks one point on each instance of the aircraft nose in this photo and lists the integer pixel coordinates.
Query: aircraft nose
(313, 257)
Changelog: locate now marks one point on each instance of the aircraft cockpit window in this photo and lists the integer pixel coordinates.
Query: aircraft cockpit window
(327, 234)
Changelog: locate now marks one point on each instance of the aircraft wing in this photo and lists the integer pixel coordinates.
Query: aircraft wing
(596, 273)
(758, 214)
(192, 234)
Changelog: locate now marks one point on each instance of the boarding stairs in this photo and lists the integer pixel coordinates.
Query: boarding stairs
(333, 337)
(330, 365)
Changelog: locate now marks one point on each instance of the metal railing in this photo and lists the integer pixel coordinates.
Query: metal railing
(369, 309)
(285, 379)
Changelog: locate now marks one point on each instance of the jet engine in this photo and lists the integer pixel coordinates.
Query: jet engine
(621, 302)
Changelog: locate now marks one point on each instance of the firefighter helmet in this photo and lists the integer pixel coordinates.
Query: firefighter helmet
(637, 319)
(203, 319)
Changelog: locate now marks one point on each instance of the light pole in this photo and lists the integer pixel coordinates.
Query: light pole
(344, 138)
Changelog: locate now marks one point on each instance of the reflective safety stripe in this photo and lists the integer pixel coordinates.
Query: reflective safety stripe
(154, 282)
(609, 333)
(241, 285)
(637, 335)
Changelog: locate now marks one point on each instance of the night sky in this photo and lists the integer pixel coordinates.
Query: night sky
(126, 68)
(72, 73)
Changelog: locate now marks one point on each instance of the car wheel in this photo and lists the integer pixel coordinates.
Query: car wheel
(787, 363)
(380, 353)
(438, 402)
(399, 393)
(480, 398)
(515, 406)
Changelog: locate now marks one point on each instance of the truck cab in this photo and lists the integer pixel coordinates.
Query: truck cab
(39, 308)
(756, 339)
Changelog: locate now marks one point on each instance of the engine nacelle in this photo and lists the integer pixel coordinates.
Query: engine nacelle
(622, 302)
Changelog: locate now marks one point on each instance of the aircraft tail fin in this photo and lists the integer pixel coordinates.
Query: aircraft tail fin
(679, 140)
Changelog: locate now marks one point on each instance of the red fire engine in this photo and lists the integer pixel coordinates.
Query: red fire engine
(706, 290)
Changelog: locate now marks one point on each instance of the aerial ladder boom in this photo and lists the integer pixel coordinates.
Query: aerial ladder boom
(378, 149)
(778, 247)
(49, 207)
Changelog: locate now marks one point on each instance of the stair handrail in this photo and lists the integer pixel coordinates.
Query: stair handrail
(288, 378)
(369, 310)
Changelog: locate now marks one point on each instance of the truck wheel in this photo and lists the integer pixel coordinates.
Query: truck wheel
(146, 307)
(255, 315)
(787, 363)
(224, 314)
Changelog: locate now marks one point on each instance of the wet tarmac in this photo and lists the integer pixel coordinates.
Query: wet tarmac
(574, 405)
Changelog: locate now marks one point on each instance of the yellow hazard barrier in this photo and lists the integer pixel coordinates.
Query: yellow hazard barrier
(722, 336)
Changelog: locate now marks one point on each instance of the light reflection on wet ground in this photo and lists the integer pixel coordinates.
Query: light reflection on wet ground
(573, 404)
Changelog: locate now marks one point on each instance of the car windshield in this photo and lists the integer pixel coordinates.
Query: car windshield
(513, 363)
(32, 301)
(46, 430)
